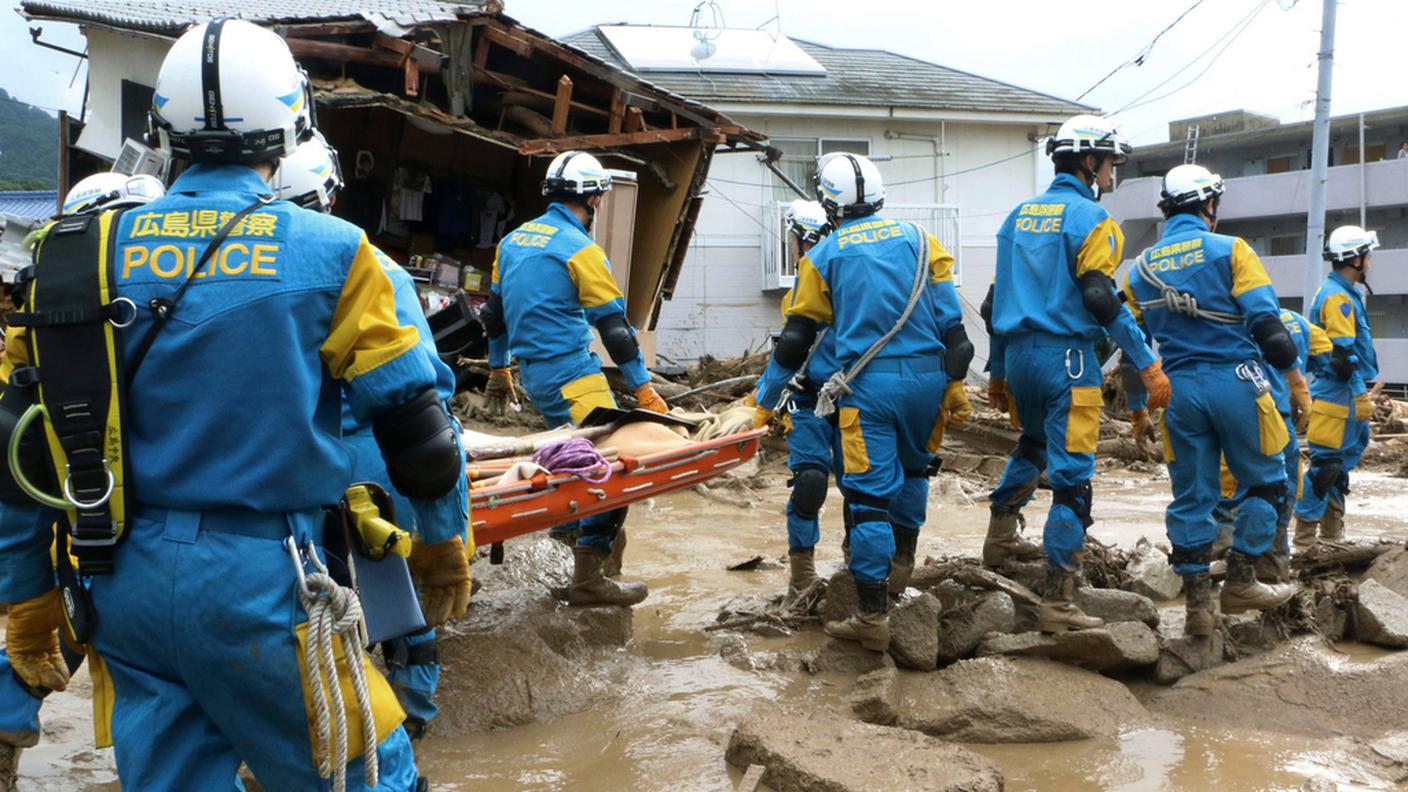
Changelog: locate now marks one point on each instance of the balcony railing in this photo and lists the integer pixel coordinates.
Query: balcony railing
(779, 261)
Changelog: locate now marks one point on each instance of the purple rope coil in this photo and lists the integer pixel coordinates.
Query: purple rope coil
(576, 456)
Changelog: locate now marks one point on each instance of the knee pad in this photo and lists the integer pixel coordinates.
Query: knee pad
(1031, 449)
(1275, 494)
(1327, 474)
(1076, 498)
(808, 491)
(420, 444)
(1184, 556)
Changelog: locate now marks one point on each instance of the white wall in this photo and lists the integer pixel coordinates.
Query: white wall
(719, 307)
(114, 57)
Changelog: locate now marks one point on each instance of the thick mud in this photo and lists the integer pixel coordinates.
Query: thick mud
(676, 701)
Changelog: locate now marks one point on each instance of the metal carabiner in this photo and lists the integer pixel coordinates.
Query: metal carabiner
(298, 560)
(1250, 371)
(1079, 373)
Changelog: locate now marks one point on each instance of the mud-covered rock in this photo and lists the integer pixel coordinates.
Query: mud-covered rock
(1116, 605)
(963, 628)
(1251, 635)
(845, 657)
(1386, 756)
(811, 754)
(1301, 687)
(1114, 647)
(1015, 700)
(914, 632)
(735, 651)
(1391, 570)
(1319, 784)
(873, 697)
(1031, 574)
(841, 598)
(1151, 575)
(1331, 619)
(1187, 655)
(518, 656)
(1381, 616)
(532, 561)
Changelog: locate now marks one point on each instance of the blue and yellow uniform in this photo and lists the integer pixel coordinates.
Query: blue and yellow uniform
(858, 280)
(1222, 405)
(555, 283)
(1044, 347)
(1337, 439)
(199, 664)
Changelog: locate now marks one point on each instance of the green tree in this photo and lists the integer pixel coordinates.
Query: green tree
(29, 146)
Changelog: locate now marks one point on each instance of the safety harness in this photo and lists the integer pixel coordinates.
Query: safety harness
(1179, 302)
(840, 382)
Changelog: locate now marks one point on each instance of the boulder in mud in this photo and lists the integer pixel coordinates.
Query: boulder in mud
(1187, 655)
(873, 697)
(963, 628)
(845, 657)
(1114, 647)
(1302, 687)
(1151, 575)
(1331, 619)
(811, 754)
(1015, 700)
(1391, 570)
(1381, 616)
(1251, 635)
(914, 632)
(1116, 605)
(841, 599)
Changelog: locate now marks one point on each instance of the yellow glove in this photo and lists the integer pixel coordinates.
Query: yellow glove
(499, 392)
(650, 400)
(441, 571)
(1140, 421)
(956, 408)
(751, 401)
(1363, 407)
(762, 416)
(1300, 400)
(1001, 400)
(32, 641)
(1156, 382)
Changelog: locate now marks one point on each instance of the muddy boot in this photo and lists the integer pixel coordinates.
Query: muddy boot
(1241, 592)
(612, 567)
(590, 586)
(1305, 534)
(1004, 541)
(1274, 566)
(567, 538)
(902, 562)
(802, 564)
(9, 766)
(1200, 609)
(871, 626)
(1332, 524)
(1058, 612)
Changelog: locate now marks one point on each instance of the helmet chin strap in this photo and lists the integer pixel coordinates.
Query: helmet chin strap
(1363, 277)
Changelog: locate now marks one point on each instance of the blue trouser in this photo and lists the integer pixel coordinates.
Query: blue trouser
(414, 674)
(1055, 383)
(813, 444)
(1336, 445)
(1214, 415)
(19, 711)
(887, 426)
(565, 389)
(1226, 508)
(196, 629)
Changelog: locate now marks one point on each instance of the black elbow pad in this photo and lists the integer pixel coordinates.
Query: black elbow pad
(1097, 293)
(958, 353)
(1276, 344)
(795, 342)
(491, 315)
(1341, 364)
(618, 338)
(985, 310)
(417, 440)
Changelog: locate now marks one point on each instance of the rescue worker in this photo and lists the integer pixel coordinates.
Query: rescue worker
(1339, 422)
(813, 453)
(311, 177)
(1053, 297)
(234, 449)
(1208, 302)
(551, 285)
(20, 703)
(886, 289)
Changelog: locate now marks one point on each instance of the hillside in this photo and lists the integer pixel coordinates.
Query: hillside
(29, 146)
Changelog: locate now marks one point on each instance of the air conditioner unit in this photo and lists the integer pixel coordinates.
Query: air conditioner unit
(137, 159)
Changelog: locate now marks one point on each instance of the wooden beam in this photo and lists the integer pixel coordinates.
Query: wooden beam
(312, 48)
(512, 85)
(618, 111)
(481, 51)
(423, 56)
(523, 47)
(556, 145)
(346, 29)
(561, 105)
(635, 120)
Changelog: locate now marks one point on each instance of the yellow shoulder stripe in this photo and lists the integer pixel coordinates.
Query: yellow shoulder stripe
(1102, 249)
(1247, 271)
(365, 332)
(592, 274)
(494, 279)
(1130, 300)
(940, 261)
(1337, 316)
(1320, 342)
(811, 297)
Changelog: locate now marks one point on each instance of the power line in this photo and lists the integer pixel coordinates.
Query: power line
(1138, 60)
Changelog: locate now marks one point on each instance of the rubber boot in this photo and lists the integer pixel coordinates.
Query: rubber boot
(1058, 612)
(1004, 541)
(591, 587)
(1305, 534)
(1274, 566)
(568, 537)
(612, 567)
(1332, 524)
(802, 564)
(902, 562)
(1242, 592)
(871, 626)
(9, 766)
(1200, 609)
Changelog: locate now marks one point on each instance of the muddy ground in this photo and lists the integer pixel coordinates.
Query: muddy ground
(658, 712)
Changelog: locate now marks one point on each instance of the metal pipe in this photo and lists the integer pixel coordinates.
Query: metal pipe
(1363, 198)
(939, 153)
(1319, 160)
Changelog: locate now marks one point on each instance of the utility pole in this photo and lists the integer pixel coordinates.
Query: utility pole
(1319, 160)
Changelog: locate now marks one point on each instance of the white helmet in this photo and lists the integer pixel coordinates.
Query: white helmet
(1088, 134)
(310, 176)
(576, 173)
(230, 91)
(806, 220)
(849, 185)
(110, 190)
(1189, 184)
(1347, 241)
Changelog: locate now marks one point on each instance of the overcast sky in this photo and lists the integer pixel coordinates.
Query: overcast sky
(1061, 48)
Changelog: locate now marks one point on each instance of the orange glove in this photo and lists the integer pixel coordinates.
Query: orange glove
(751, 401)
(1140, 421)
(997, 395)
(441, 571)
(1156, 382)
(762, 416)
(956, 407)
(1363, 407)
(650, 400)
(499, 393)
(1300, 400)
(32, 641)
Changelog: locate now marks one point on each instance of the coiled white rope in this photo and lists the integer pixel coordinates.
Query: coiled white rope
(1174, 300)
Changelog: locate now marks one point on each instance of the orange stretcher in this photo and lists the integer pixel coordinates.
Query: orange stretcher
(503, 511)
